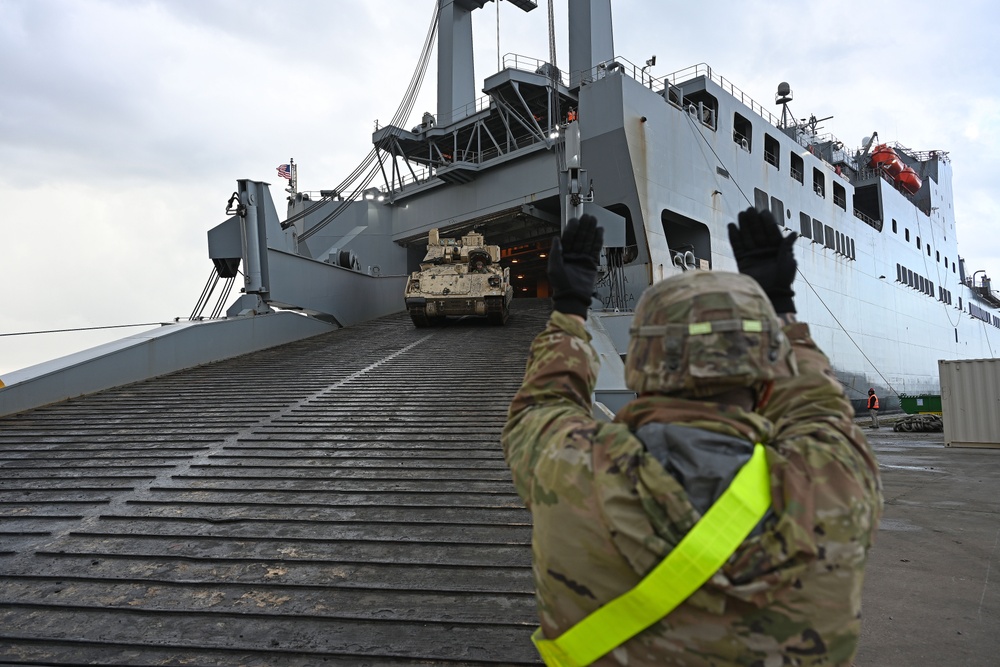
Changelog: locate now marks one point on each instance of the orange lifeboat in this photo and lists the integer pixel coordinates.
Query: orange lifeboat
(909, 180)
(882, 153)
(885, 158)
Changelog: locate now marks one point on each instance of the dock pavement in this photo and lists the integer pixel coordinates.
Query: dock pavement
(932, 588)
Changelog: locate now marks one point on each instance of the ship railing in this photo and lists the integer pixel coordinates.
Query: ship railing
(424, 174)
(869, 173)
(702, 69)
(470, 109)
(418, 176)
(741, 140)
(925, 156)
(868, 220)
(920, 156)
(533, 65)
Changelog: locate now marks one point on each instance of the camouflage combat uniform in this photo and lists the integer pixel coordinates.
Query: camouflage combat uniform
(606, 512)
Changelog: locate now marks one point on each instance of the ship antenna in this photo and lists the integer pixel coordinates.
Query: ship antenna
(783, 97)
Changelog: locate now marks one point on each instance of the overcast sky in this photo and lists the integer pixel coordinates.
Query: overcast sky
(124, 124)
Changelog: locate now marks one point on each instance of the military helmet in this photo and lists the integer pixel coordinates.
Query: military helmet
(702, 333)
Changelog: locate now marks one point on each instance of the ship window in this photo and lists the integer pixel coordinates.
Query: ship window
(817, 231)
(819, 183)
(956, 335)
(852, 249)
(894, 231)
(685, 234)
(899, 273)
(937, 255)
(909, 278)
(742, 132)
(771, 151)
(778, 208)
(946, 262)
(918, 243)
(928, 249)
(953, 267)
(840, 244)
(759, 199)
(805, 225)
(930, 288)
(907, 234)
(840, 196)
(703, 106)
(796, 167)
(960, 303)
(831, 239)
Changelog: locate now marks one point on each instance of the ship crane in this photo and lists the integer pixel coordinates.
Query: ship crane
(868, 143)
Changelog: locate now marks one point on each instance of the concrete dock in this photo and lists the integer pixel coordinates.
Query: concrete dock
(932, 590)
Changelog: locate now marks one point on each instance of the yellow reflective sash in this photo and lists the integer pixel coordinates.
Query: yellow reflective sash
(699, 555)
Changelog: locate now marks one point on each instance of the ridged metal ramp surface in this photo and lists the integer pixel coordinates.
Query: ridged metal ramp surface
(340, 501)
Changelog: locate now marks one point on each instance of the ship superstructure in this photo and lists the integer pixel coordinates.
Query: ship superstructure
(665, 163)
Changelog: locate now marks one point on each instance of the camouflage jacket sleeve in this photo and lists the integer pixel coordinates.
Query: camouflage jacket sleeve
(823, 461)
(554, 400)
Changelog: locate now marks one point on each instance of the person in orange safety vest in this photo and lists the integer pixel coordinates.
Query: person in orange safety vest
(873, 407)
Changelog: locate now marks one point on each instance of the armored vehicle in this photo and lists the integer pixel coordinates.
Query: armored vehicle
(458, 278)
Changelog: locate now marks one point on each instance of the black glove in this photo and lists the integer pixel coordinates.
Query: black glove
(573, 265)
(766, 256)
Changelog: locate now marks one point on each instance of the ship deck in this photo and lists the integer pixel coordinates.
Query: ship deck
(344, 500)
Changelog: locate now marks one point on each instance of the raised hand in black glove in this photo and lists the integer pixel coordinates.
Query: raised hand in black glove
(766, 256)
(573, 265)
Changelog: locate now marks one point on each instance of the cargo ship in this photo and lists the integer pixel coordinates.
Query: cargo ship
(664, 162)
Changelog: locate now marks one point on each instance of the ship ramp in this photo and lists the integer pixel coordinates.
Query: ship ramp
(340, 500)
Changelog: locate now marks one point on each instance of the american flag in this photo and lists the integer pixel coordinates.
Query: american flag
(285, 171)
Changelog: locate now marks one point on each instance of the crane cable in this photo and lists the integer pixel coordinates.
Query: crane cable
(369, 163)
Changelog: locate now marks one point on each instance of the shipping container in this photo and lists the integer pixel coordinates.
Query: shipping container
(970, 402)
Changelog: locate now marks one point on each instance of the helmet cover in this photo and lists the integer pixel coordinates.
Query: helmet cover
(701, 333)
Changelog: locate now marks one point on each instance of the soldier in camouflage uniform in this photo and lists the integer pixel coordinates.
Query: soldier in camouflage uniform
(609, 501)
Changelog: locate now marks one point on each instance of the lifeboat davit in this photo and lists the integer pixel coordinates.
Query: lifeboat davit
(909, 180)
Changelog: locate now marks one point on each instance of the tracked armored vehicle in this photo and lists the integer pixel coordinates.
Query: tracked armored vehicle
(458, 278)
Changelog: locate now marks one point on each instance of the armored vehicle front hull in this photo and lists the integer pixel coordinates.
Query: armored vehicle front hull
(459, 279)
